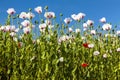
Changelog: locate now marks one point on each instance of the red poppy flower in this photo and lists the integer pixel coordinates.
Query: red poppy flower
(84, 65)
(85, 45)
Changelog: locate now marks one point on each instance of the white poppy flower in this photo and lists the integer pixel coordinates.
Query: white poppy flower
(12, 34)
(83, 38)
(70, 29)
(61, 59)
(107, 27)
(85, 25)
(7, 28)
(2, 28)
(90, 45)
(30, 15)
(38, 9)
(103, 20)
(77, 30)
(96, 53)
(11, 11)
(63, 38)
(67, 20)
(93, 32)
(49, 15)
(42, 27)
(26, 30)
(50, 26)
(78, 17)
(48, 22)
(25, 23)
(74, 16)
(90, 22)
(118, 49)
(81, 15)
(118, 32)
(67, 37)
(105, 56)
(23, 15)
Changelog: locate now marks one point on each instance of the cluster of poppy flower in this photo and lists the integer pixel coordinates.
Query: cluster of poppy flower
(27, 27)
(48, 15)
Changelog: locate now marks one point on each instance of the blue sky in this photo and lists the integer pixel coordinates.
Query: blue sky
(94, 9)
